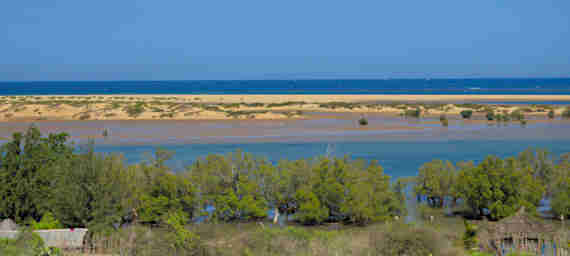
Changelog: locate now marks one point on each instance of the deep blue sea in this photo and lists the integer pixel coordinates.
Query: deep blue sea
(338, 86)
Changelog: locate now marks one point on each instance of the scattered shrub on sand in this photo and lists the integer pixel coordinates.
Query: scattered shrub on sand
(466, 114)
(115, 105)
(110, 115)
(237, 114)
(470, 105)
(287, 103)
(363, 121)
(256, 104)
(551, 114)
(169, 115)
(8, 115)
(335, 105)
(84, 116)
(135, 110)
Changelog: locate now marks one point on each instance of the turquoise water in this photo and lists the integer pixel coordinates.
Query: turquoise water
(316, 86)
(399, 159)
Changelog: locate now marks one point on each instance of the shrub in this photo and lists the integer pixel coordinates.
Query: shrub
(404, 239)
(413, 113)
(363, 121)
(27, 243)
(48, 221)
(517, 115)
(470, 235)
(490, 116)
(135, 110)
(84, 116)
(551, 114)
(443, 120)
(466, 114)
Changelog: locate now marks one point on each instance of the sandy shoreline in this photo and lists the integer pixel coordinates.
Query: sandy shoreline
(248, 107)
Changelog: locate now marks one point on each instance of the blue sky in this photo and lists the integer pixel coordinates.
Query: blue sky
(264, 39)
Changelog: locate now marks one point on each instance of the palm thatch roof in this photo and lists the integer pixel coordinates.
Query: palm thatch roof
(518, 224)
(8, 225)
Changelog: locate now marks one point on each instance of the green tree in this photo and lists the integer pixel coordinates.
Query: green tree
(311, 211)
(499, 187)
(234, 184)
(561, 198)
(435, 181)
(369, 196)
(27, 173)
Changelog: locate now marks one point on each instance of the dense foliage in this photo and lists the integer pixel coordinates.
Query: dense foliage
(47, 183)
(497, 187)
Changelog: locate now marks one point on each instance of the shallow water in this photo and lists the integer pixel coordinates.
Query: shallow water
(399, 158)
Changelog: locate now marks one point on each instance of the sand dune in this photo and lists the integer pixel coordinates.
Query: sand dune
(216, 107)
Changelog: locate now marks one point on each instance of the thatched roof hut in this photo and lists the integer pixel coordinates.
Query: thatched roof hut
(520, 223)
(521, 232)
(8, 225)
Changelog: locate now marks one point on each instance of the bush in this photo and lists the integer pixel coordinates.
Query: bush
(466, 114)
(48, 221)
(84, 116)
(490, 116)
(404, 239)
(27, 243)
(363, 121)
(413, 113)
(551, 114)
(470, 235)
(135, 110)
(517, 115)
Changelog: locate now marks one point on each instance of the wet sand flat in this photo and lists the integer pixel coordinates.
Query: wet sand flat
(320, 127)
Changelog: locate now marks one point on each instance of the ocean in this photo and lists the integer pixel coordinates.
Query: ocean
(521, 86)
